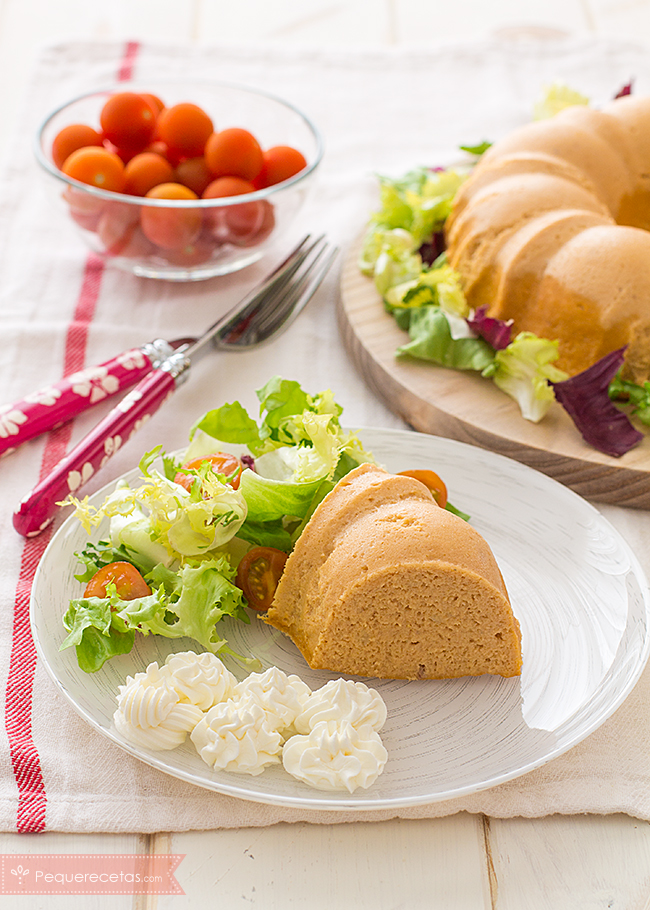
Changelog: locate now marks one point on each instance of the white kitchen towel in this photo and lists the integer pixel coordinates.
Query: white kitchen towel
(379, 112)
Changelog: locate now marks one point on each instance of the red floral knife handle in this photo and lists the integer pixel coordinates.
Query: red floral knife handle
(52, 406)
(40, 507)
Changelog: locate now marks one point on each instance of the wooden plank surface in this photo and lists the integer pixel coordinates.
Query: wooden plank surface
(464, 406)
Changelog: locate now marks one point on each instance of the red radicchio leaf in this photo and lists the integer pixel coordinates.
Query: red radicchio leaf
(431, 250)
(496, 332)
(587, 402)
(248, 461)
(626, 90)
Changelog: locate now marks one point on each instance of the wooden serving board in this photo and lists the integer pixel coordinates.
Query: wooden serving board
(466, 407)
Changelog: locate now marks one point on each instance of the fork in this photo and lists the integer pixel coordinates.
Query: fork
(258, 318)
(57, 403)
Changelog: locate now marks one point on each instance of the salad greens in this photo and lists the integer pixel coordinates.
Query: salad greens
(555, 98)
(403, 253)
(427, 300)
(187, 543)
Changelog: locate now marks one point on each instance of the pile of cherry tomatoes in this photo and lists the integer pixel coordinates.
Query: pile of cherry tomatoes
(143, 148)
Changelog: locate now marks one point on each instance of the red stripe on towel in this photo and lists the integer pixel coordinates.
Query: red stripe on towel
(32, 796)
(125, 72)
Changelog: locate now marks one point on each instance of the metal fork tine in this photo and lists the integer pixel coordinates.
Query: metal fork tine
(278, 279)
(281, 307)
(299, 296)
(282, 299)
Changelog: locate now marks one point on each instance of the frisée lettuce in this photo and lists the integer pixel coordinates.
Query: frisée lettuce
(404, 253)
(186, 539)
(187, 602)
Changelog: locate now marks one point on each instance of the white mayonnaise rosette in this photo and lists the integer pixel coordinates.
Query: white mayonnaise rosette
(149, 711)
(282, 697)
(200, 679)
(336, 756)
(236, 735)
(343, 700)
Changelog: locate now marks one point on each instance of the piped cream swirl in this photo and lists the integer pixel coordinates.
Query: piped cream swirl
(149, 712)
(343, 701)
(236, 736)
(336, 756)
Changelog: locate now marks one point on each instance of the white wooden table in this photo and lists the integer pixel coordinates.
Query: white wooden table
(453, 863)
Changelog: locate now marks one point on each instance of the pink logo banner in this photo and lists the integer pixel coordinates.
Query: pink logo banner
(89, 873)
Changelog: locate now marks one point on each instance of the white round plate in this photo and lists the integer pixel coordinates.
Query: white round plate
(578, 591)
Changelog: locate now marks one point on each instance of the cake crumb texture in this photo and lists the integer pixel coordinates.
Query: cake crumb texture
(384, 583)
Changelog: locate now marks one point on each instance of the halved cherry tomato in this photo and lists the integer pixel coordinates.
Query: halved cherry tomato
(128, 582)
(258, 575)
(220, 462)
(434, 483)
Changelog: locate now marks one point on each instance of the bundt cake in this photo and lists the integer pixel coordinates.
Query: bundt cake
(383, 582)
(551, 230)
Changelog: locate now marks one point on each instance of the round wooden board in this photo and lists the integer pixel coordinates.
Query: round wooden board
(471, 409)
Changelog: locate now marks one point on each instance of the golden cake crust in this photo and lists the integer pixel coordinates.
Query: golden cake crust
(385, 583)
(551, 231)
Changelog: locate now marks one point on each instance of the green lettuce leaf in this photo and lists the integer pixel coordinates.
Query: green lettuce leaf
(272, 499)
(440, 285)
(92, 633)
(555, 98)
(522, 370)
(188, 603)
(431, 339)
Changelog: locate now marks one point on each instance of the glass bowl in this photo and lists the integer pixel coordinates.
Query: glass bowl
(227, 233)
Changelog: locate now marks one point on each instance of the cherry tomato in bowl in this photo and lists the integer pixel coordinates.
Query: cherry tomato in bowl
(258, 575)
(234, 233)
(168, 227)
(128, 582)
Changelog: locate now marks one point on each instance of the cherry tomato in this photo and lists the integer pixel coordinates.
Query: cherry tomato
(117, 226)
(195, 253)
(85, 209)
(128, 582)
(171, 228)
(128, 121)
(156, 103)
(220, 462)
(258, 575)
(434, 483)
(96, 167)
(223, 187)
(159, 147)
(193, 173)
(184, 128)
(73, 137)
(124, 154)
(234, 153)
(145, 171)
(227, 186)
(248, 226)
(280, 163)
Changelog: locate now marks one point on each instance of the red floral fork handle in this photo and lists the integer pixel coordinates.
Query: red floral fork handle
(54, 405)
(38, 509)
